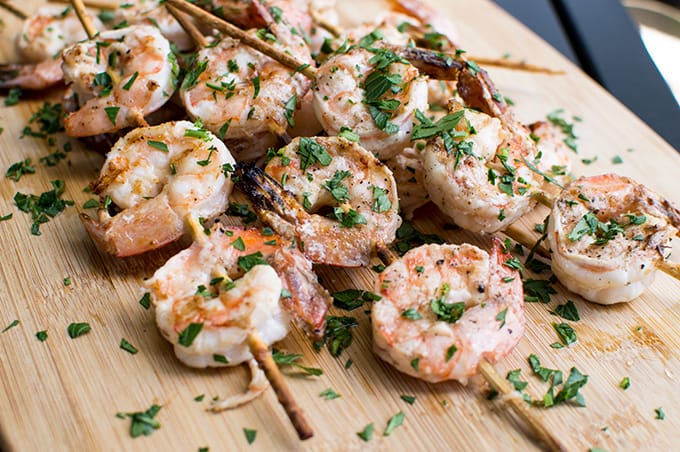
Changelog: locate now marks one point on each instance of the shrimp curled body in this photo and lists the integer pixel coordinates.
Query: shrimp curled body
(415, 326)
(606, 234)
(156, 177)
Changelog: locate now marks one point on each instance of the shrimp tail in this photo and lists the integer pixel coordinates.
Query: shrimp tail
(31, 76)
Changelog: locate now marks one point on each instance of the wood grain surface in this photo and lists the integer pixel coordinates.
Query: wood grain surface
(63, 394)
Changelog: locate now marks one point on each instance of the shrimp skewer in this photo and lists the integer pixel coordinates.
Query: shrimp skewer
(239, 316)
(607, 234)
(152, 180)
(423, 343)
(320, 174)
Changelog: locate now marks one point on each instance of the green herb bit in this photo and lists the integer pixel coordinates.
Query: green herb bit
(394, 422)
(192, 75)
(41, 335)
(544, 373)
(11, 325)
(348, 219)
(411, 314)
(13, 97)
(566, 333)
(537, 290)
(18, 169)
(367, 433)
(566, 127)
(587, 225)
(625, 383)
(239, 244)
(128, 347)
(145, 301)
(348, 134)
(248, 261)
(557, 345)
(409, 237)
(450, 352)
(199, 398)
(241, 210)
(218, 358)
(569, 391)
(408, 399)
(329, 394)
(514, 377)
(91, 204)
(500, 317)
(67, 281)
(49, 119)
(513, 263)
(311, 152)
(250, 435)
(334, 185)
(338, 334)
(78, 329)
(187, 335)
(415, 363)
(289, 110)
(289, 359)
(143, 422)
(352, 299)
(617, 160)
(568, 311)
(660, 415)
(381, 202)
(448, 312)
(161, 146)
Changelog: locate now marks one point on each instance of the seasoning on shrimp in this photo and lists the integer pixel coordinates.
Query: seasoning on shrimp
(607, 233)
(333, 175)
(152, 179)
(439, 323)
(118, 77)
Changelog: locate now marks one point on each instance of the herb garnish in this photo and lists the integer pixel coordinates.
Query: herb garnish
(394, 422)
(250, 435)
(329, 394)
(143, 422)
(14, 323)
(336, 188)
(289, 359)
(367, 433)
(187, 335)
(566, 333)
(567, 311)
(338, 334)
(18, 169)
(78, 329)
(625, 383)
(352, 299)
(43, 207)
(41, 335)
(311, 152)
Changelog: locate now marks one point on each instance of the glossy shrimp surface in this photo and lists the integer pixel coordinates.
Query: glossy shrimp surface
(339, 207)
(119, 77)
(154, 13)
(152, 180)
(376, 100)
(482, 182)
(444, 308)
(45, 34)
(231, 251)
(407, 168)
(241, 94)
(606, 234)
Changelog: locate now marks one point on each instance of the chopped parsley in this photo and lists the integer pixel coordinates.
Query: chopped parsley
(334, 185)
(409, 237)
(448, 312)
(241, 210)
(513, 377)
(187, 335)
(14, 323)
(445, 128)
(625, 383)
(500, 317)
(13, 97)
(249, 261)
(112, 113)
(145, 301)
(566, 127)
(367, 433)
(143, 422)
(329, 394)
(289, 359)
(250, 435)
(394, 422)
(411, 314)
(352, 299)
(381, 202)
(41, 335)
(566, 333)
(568, 311)
(338, 334)
(289, 110)
(660, 415)
(18, 169)
(158, 145)
(43, 207)
(128, 347)
(348, 219)
(78, 329)
(311, 152)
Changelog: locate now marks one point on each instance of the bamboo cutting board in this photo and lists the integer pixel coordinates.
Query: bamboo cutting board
(63, 394)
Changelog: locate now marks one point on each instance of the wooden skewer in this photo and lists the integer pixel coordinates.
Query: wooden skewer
(498, 383)
(84, 17)
(515, 65)
(251, 41)
(17, 12)
(323, 23)
(97, 4)
(264, 358)
(188, 26)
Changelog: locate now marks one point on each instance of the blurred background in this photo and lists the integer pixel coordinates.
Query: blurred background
(631, 47)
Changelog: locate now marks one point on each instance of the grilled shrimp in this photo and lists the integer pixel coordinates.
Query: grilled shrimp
(444, 308)
(480, 178)
(242, 94)
(327, 176)
(154, 13)
(407, 168)
(39, 44)
(154, 178)
(374, 93)
(606, 234)
(118, 77)
(194, 289)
